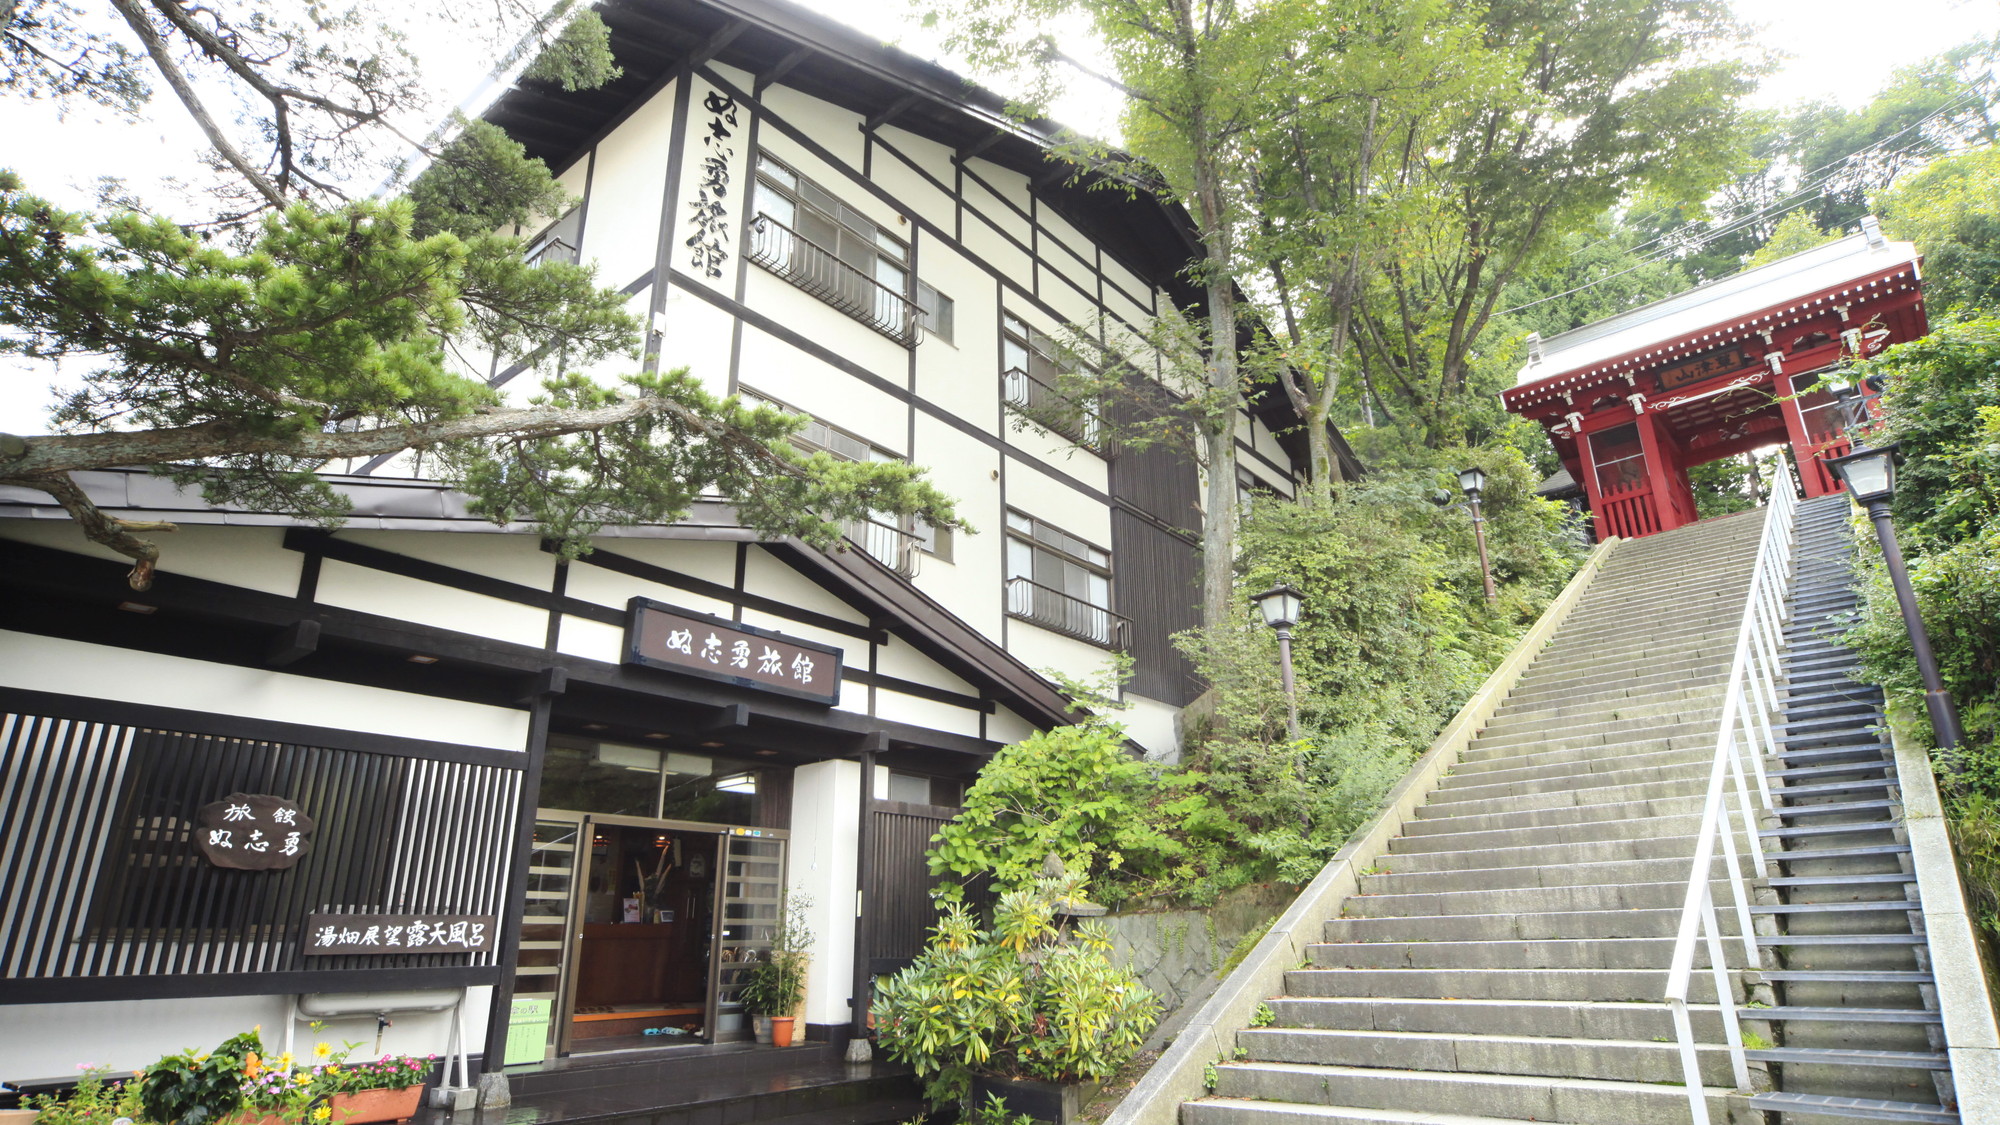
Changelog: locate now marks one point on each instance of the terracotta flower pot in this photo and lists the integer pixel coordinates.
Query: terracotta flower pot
(366, 1106)
(781, 1031)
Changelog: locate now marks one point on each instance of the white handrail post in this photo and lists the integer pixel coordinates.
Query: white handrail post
(1690, 1065)
(1738, 893)
(1725, 997)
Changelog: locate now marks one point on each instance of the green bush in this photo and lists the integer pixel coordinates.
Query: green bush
(192, 1088)
(1017, 1000)
(93, 1102)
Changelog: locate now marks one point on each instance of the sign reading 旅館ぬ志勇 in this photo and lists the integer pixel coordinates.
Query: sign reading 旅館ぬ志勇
(253, 832)
(329, 934)
(679, 640)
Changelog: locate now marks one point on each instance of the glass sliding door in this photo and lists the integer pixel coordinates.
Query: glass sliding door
(540, 967)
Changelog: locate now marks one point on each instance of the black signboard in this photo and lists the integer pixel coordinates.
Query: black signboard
(1701, 367)
(253, 832)
(330, 934)
(680, 640)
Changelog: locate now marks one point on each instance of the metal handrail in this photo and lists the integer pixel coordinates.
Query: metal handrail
(1046, 406)
(1067, 614)
(892, 546)
(822, 273)
(1748, 702)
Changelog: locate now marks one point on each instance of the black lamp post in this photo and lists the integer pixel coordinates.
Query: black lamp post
(1473, 482)
(1870, 477)
(1280, 607)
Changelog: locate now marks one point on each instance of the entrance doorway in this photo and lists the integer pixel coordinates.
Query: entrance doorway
(640, 920)
(645, 936)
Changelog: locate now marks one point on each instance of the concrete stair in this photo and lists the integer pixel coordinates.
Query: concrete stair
(1505, 960)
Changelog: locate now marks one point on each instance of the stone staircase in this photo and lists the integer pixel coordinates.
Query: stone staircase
(1858, 1030)
(1506, 958)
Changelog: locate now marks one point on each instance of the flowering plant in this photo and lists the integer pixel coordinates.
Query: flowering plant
(94, 1102)
(298, 1093)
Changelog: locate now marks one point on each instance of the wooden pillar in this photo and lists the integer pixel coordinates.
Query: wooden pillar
(1587, 470)
(1811, 476)
(1659, 473)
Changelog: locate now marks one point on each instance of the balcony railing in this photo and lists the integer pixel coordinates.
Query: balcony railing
(1049, 408)
(816, 270)
(892, 546)
(1071, 616)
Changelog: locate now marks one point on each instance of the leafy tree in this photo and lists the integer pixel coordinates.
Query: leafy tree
(321, 327)
(1614, 98)
(1951, 210)
(1795, 234)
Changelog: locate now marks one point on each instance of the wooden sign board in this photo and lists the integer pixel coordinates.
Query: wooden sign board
(679, 640)
(1700, 367)
(328, 935)
(253, 832)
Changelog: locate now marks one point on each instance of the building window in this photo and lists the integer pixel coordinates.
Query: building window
(1060, 582)
(922, 789)
(559, 242)
(892, 540)
(1029, 376)
(934, 312)
(823, 246)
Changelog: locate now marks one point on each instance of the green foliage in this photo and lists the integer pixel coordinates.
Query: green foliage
(579, 58)
(777, 984)
(1794, 234)
(1951, 210)
(93, 1102)
(482, 181)
(49, 49)
(190, 1088)
(1019, 999)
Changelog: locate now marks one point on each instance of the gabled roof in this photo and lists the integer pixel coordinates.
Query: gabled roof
(1721, 305)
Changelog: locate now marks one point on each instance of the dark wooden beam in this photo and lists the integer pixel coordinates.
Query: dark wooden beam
(1055, 175)
(981, 145)
(299, 640)
(890, 114)
(543, 684)
(777, 73)
(734, 717)
(716, 43)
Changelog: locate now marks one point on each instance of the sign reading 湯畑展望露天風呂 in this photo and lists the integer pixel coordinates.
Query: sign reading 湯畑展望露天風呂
(680, 640)
(329, 934)
(253, 832)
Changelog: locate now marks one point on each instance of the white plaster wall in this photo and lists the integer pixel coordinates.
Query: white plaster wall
(426, 603)
(993, 205)
(1047, 498)
(999, 254)
(250, 557)
(835, 129)
(713, 562)
(910, 188)
(696, 335)
(1006, 728)
(968, 471)
(904, 662)
(773, 578)
(591, 640)
(806, 383)
(1039, 648)
(50, 1040)
(54, 665)
(621, 231)
(509, 557)
(826, 819)
(1150, 723)
(610, 588)
(897, 707)
(962, 376)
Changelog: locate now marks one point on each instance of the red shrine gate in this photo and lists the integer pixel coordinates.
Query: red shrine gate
(1635, 401)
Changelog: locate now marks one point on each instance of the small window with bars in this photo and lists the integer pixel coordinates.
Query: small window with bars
(1060, 582)
(934, 312)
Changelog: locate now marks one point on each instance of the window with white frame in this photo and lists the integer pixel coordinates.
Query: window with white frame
(806, 236)
(1030, 383)
(1060, 582)
(934, 311)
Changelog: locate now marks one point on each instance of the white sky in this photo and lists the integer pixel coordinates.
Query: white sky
(1838, 49)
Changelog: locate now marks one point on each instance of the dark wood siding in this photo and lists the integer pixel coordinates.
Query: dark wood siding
(898, 903)
(1157, 571)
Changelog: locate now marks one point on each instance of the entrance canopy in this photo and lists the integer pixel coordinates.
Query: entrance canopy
(1634, 401)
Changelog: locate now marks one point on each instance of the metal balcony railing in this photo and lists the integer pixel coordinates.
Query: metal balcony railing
(553, 250)
(892, 546)
(818, 271)
(1050, 409)
(1071, 616)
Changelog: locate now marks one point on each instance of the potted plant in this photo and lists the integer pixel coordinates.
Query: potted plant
(96, 1101)
(776, 986)
(1021, 1012)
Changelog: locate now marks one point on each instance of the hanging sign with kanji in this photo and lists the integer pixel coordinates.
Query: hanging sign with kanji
(253, 832)
(329, 934)
(680, 640)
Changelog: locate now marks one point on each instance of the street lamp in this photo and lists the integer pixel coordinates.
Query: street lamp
(1280, 607)
(1870, 477)
(1473, 482)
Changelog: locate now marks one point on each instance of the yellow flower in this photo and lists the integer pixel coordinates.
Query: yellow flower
(321, 1050)
(285, 1061)
(322, 1113)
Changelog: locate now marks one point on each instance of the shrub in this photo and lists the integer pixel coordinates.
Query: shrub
(1019, 1000)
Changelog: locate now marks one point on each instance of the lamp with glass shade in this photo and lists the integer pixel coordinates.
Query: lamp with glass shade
(1280, 607)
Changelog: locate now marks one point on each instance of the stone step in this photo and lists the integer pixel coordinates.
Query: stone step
(1523, 900)
(1654, 953)
(1528, 927)
(1665, 766)
(1579, 985)
(1535, 875)
(1692, 697)
(1588, 832)
(1568, 806)
(1792, 1105)
(1603, 732)
(1521, 1097)
(1668, 846)
(1241, 1111)
(1621, 1060)
(1555, 720)
(1562, 1019)
(1636, 685)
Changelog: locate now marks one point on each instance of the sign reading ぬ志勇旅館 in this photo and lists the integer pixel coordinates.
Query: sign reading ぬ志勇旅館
(253, 832)
(680, 640)
(329, 934)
